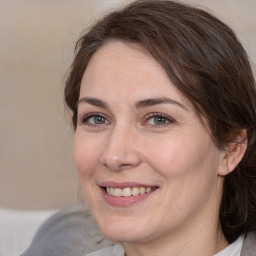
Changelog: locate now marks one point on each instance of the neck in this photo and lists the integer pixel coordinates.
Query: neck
(205, 240)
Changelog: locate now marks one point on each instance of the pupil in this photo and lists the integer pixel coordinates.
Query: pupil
(160, 120)
(99, 120)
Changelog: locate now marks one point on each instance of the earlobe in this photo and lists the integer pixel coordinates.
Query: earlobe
(233, 154)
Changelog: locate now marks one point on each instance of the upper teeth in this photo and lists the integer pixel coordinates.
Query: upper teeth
(127, 191)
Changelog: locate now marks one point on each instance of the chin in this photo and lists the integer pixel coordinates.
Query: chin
(122, 237)
(125, 232)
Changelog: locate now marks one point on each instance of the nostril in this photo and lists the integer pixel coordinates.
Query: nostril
(116, 159)
(125, 166)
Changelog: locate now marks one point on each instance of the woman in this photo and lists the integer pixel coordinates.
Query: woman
(164, 110)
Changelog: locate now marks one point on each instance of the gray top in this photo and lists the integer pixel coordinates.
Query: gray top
(70, 232)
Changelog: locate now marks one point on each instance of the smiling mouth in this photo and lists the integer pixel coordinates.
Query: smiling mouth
(128, 191)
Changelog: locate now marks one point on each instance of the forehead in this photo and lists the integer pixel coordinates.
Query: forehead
(126, 70)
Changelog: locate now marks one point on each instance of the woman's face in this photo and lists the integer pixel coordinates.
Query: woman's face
(147, 164)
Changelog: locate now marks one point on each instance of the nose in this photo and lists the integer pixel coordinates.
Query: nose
(120, 151)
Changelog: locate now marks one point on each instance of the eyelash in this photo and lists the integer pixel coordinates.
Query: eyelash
(86, 118)
(168, 120)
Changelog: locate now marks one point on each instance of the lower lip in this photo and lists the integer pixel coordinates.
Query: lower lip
(124, 201)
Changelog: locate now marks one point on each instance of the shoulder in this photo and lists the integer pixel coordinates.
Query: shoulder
(249, 245)
(71, 231)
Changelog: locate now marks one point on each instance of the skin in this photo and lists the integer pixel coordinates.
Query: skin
(126, 144)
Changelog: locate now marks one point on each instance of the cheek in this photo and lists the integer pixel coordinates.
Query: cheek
(188, 170)
(86, 153)
(167, 156)
(183, 156)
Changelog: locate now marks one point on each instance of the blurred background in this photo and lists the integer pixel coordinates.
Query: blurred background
(37, 40)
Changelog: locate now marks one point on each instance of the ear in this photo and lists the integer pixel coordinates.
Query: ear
(233, 154)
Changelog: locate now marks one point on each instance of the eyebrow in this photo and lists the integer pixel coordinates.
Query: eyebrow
(155, 101)
(138, 105)
(93, 101)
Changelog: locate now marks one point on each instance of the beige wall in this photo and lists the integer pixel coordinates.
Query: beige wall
(36, 47)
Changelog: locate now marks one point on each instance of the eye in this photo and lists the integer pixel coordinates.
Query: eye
(158, 120)
(95, 119)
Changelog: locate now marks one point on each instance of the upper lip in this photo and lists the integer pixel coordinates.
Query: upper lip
(113, 184)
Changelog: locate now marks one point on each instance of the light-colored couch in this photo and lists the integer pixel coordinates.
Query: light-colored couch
(17, 229)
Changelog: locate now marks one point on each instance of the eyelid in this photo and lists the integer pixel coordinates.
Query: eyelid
(84, 118)
(157, 114)
(170, 121)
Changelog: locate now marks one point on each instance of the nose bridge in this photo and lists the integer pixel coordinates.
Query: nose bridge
(120, 151)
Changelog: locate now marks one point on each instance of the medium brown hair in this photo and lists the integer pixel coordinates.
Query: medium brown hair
(208, 65)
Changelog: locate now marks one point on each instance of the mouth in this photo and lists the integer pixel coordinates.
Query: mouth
(126, 194)
(129, 191)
